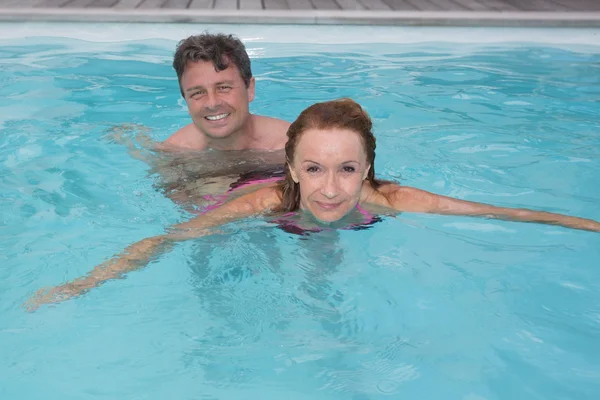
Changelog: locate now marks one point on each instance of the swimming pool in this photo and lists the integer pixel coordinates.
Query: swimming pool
(419, 306)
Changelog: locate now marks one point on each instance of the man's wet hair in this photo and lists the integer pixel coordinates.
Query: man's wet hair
(220, 49)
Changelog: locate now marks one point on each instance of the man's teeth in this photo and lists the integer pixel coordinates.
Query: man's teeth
(215, 117)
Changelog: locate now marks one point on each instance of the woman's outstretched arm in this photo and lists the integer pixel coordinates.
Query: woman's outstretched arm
(141, 253)
(404, 198)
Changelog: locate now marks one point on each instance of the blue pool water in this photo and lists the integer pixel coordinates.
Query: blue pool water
(418, 307)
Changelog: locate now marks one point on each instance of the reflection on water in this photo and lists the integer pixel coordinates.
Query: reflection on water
(290, 318)
(255, 298)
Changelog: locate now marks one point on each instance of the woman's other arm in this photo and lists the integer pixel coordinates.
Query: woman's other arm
(141, 253)
(404, 198)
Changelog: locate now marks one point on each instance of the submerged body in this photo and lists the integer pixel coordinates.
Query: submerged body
(329, 176)
(199, 180)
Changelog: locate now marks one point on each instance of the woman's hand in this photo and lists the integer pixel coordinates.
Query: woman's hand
(134, 257)
(51, 295)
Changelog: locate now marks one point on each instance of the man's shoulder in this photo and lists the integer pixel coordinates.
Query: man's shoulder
(275, 129)
(188, 137)
(274, 125)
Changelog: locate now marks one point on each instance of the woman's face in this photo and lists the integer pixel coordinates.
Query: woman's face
(330, 166)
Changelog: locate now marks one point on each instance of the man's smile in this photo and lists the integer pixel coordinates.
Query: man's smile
(217, 117)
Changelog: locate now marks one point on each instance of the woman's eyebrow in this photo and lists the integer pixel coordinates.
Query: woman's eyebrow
(344, 162)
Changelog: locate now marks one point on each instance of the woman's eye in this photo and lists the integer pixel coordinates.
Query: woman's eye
(312, 170)
(349, 169)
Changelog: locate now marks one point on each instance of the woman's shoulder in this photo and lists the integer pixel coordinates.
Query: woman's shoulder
(265, 198)
(380, 195)
(388, 194)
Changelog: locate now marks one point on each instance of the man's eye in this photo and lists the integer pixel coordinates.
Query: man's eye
(224, 88)
(197, 94)
(349, 169)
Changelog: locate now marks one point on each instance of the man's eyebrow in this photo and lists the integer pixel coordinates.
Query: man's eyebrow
(202, 87)
(194, 88)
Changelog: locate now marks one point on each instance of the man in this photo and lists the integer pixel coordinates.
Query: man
(216, 82)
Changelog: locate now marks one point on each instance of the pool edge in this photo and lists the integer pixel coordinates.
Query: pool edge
(314, 17)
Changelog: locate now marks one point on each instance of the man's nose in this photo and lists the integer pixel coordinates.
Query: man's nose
(213, 101)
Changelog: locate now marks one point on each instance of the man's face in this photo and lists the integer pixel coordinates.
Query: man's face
(217, 101)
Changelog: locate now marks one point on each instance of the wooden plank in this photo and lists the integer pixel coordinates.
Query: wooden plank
(20, 3)
(127, 4)
(423, 5)
(276, 4)
(300, 5)
(589, 5)
(374, 5)
(402, 5)
(179, 4)
(103, 3)
(350, 5)
(201, 4)
(537, 5)
(251, 5)
(225, 4)
(78, 3)
(447, 5)
(325, 5)
(580, 5)
(500, 5)
(151, 4)
(473, 5)
(52, 3)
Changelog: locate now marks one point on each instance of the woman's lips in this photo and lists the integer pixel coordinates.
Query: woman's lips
(328, 206)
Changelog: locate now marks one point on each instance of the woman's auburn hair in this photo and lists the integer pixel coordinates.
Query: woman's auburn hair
(344, 114)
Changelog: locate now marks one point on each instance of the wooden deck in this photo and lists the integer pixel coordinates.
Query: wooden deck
(504, 13)
(303, 5)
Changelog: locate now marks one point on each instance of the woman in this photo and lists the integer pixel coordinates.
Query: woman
(329, 176)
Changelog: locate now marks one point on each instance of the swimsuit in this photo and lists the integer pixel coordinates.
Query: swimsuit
(270, 175)
(288, 225)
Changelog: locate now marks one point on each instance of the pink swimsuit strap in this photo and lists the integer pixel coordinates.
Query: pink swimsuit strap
(257, 181)
(363, 211)
(221, 198)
